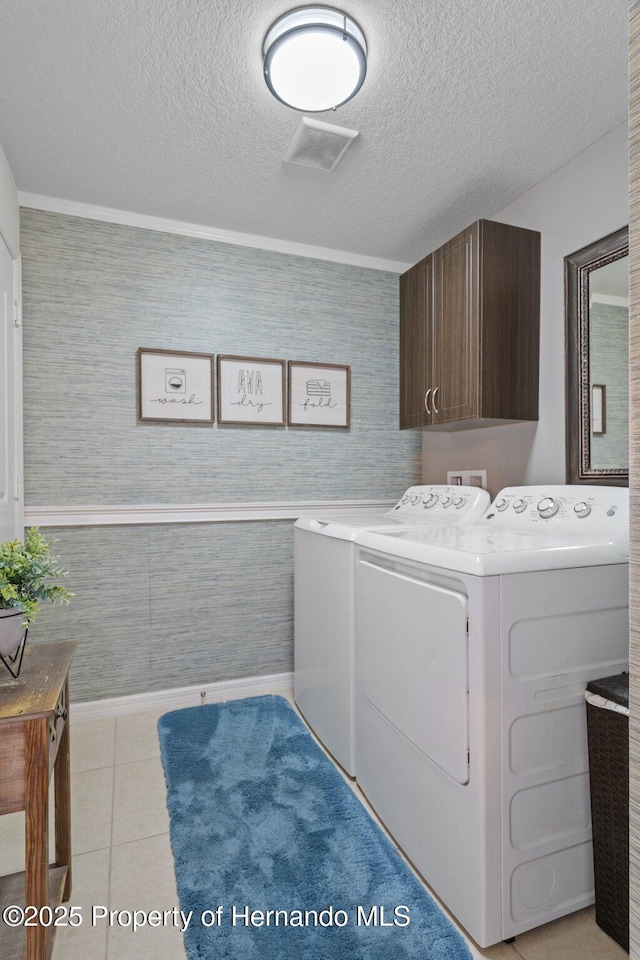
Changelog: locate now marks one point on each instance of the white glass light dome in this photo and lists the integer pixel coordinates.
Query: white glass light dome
(315, 59)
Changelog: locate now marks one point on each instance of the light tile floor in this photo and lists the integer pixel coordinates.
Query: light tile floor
(122, 858)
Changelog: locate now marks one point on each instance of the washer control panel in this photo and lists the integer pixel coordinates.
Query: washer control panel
(441, 502)
(584, 511)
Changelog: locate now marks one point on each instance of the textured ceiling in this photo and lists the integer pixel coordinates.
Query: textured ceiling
(159, 107)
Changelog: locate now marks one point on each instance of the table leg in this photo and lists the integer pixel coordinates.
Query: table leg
(62, 782)
(36, 831)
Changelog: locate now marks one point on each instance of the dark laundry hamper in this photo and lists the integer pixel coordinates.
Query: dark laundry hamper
(608, 734)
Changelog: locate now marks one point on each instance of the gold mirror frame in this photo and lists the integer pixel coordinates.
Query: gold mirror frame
(578, 267)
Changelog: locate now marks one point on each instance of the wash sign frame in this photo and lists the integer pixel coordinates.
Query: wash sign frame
(175, 386)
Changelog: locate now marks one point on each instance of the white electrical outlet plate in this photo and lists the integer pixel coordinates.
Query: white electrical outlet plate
(467, 478)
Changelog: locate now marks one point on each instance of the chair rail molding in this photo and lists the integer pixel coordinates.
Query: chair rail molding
(128, 514)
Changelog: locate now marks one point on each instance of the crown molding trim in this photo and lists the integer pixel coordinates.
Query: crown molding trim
(89, 211)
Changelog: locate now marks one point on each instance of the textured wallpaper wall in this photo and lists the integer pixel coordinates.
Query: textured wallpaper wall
(95, 292)
(168, 605)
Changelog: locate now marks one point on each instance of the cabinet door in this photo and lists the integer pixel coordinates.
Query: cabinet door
(455, 322)
(416, 344)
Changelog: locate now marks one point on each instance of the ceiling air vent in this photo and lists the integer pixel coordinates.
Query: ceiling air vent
(320, 145)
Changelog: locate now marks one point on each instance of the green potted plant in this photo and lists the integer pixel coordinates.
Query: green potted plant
(27, 574)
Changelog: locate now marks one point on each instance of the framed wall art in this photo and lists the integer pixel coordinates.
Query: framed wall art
(598, 409)
(319, 395)
(251, 390)
(175, 386)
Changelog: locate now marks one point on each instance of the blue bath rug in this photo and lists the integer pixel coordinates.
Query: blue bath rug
(275, 855)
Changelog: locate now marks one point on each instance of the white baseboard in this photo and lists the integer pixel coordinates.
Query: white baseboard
(162, 700)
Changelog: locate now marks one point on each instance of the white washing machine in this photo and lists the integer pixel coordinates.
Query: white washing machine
(324, 603)
(474, 647)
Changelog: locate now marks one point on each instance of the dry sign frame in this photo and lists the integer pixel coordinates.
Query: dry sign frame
(251, 391)
(175, 386)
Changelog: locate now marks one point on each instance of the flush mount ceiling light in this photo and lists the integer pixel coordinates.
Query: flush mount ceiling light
(315, 59)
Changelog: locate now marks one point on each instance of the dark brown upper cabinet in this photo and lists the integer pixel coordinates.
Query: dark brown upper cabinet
(470, 330)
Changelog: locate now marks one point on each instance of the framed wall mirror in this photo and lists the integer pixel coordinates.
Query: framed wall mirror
(597, 361)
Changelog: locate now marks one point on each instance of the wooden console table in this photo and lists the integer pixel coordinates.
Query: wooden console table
(34, 741)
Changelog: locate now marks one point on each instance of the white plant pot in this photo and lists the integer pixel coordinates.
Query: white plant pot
(11, 630)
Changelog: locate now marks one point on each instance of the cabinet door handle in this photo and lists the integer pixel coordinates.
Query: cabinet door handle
(435, 409)
(426, 401)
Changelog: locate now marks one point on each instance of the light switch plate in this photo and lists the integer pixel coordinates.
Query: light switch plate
(467, 478)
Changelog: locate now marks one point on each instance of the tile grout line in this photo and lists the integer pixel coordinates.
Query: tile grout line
(151, 836)
(128, 763)
(515, 947)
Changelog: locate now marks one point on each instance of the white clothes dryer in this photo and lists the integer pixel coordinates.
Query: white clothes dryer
(324, 602)
(474, 647)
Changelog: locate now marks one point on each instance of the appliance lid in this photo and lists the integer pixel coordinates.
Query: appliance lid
(347, 525)
(483, 551)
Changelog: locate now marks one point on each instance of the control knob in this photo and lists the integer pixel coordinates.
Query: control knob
(548, 507)
(415, 498)
(458, 502)
(446, 502)
(519, 506)
(430, 501)
(502, 504)
(582, 509)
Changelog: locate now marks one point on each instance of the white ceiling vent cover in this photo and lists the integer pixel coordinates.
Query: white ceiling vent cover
(320, 145)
